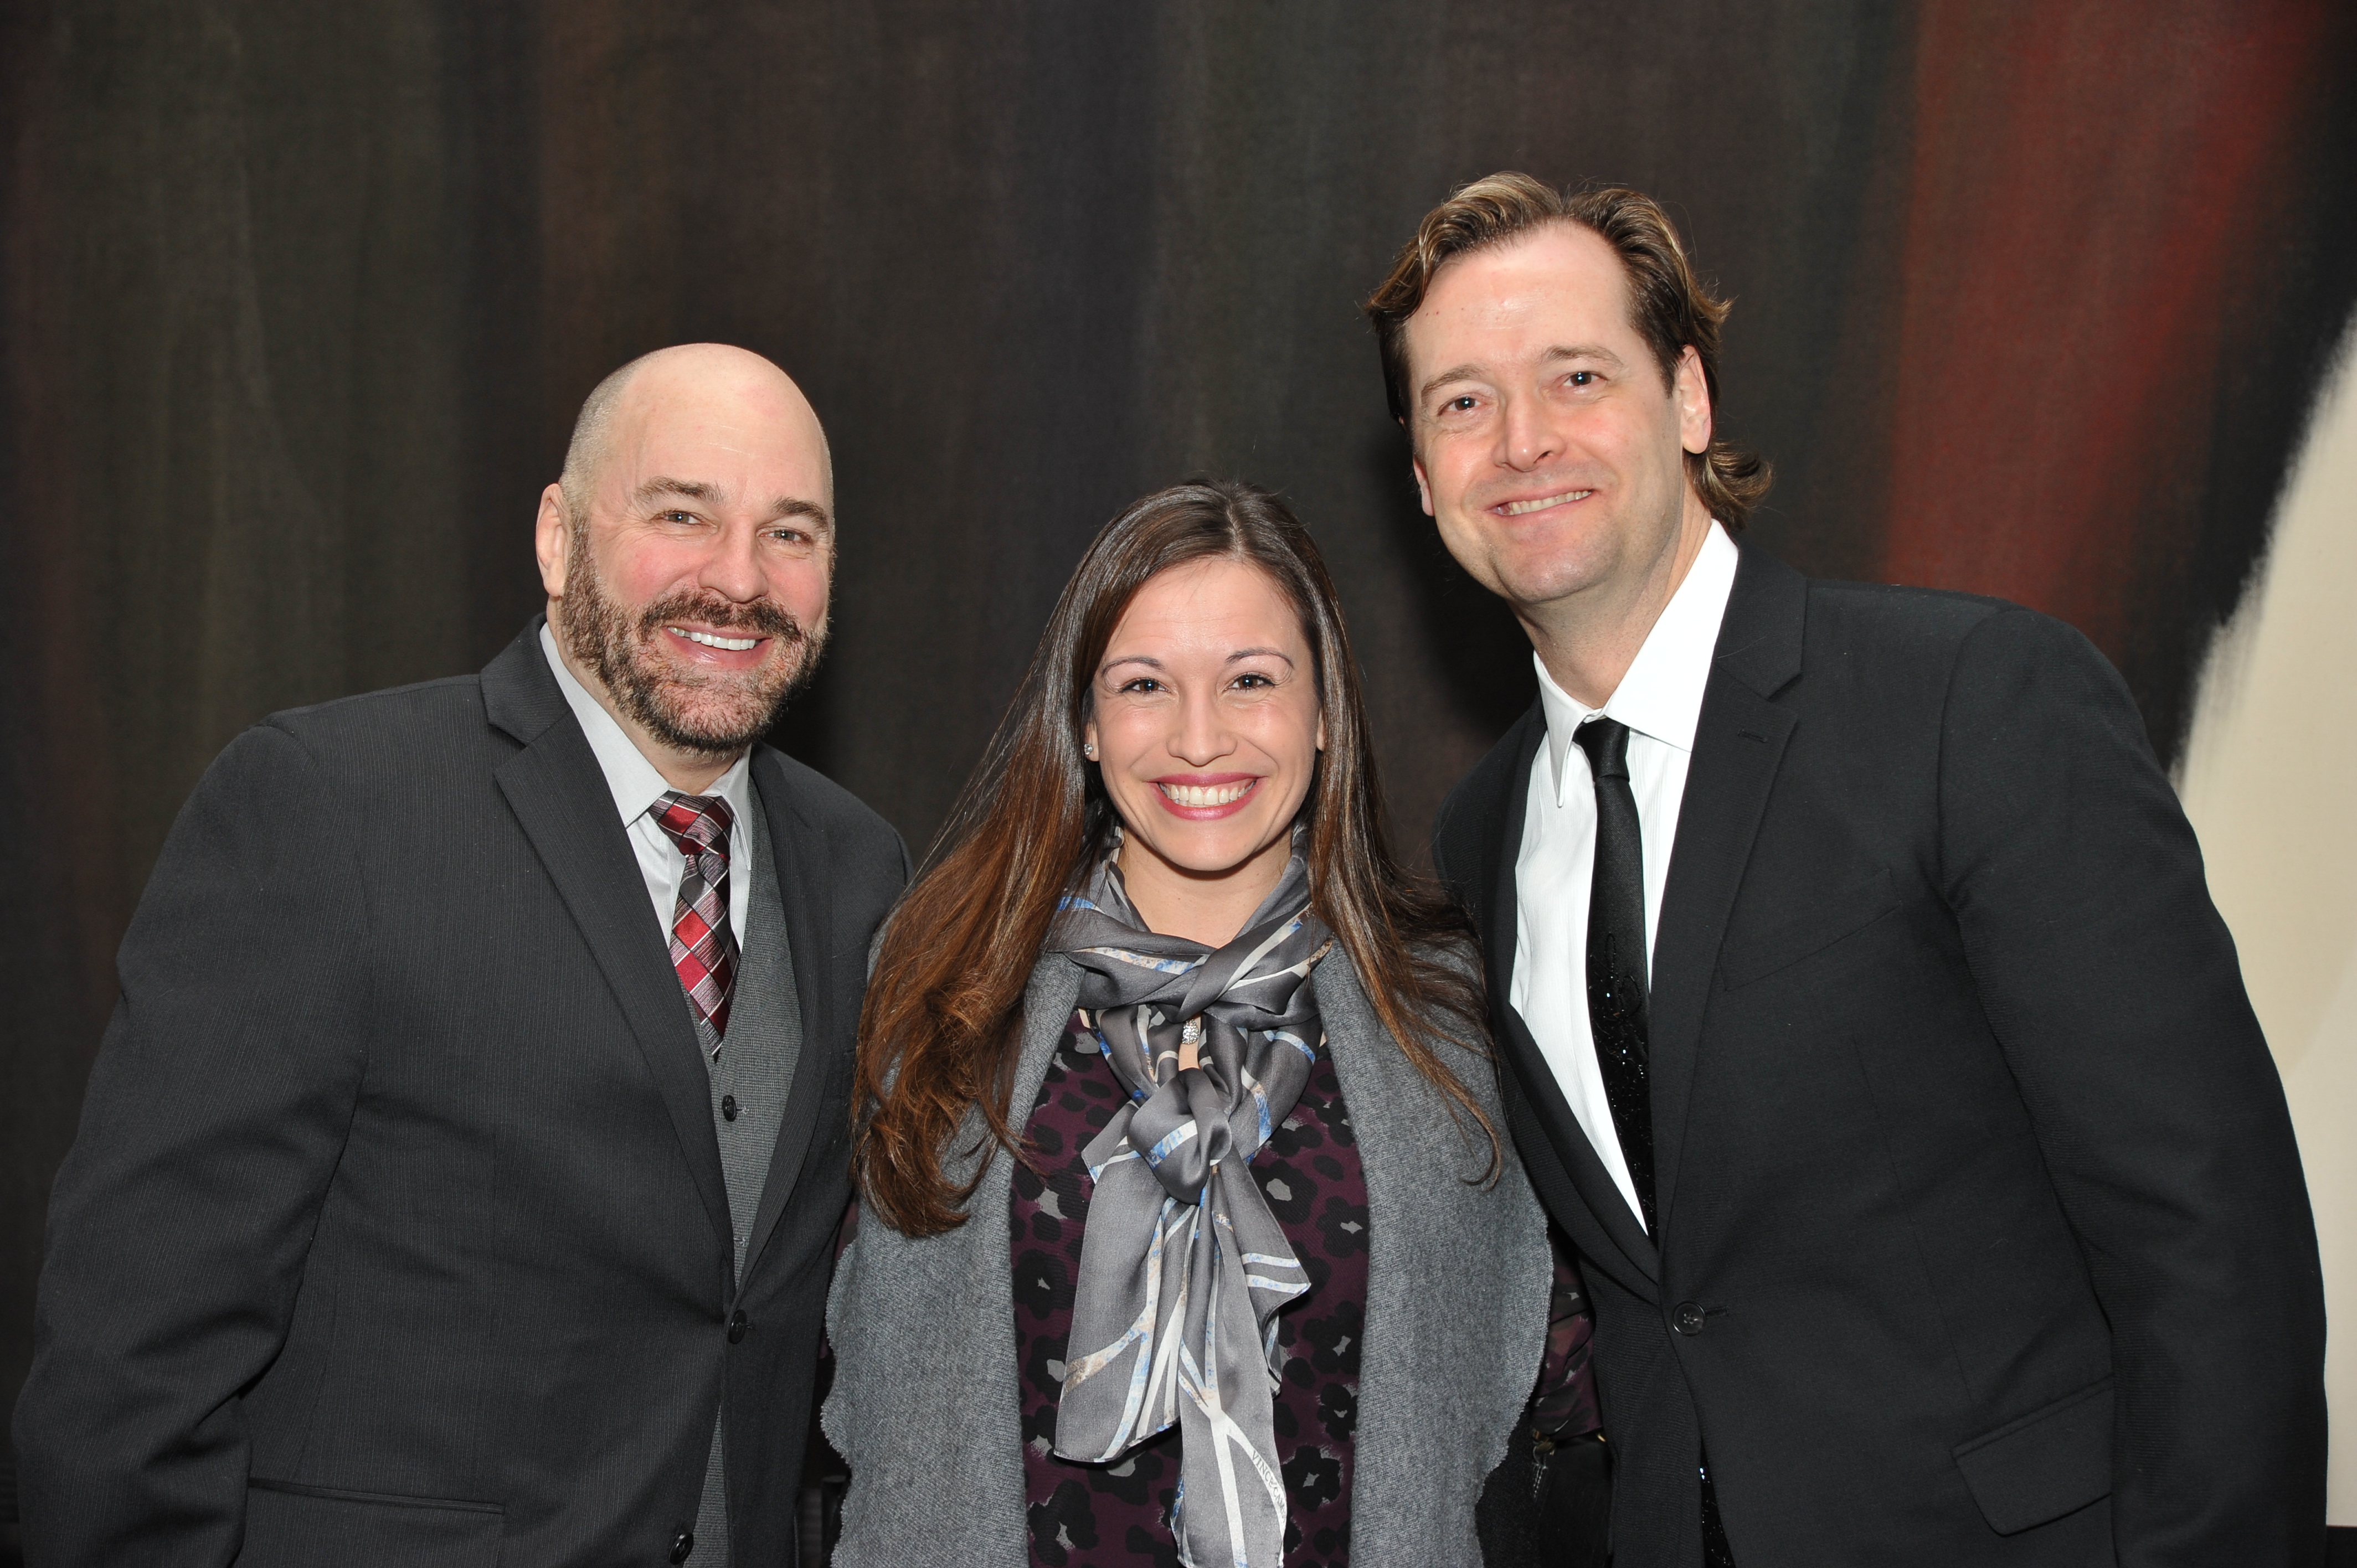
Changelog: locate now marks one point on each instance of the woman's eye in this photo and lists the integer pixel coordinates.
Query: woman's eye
(1143, 684)
(1253, 679)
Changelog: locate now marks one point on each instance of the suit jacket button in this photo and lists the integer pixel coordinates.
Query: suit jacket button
(681, 1546)
(1689, 1318)
(728, 1108)
(736, 1326)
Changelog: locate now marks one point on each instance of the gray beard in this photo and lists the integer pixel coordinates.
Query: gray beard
(602, 636)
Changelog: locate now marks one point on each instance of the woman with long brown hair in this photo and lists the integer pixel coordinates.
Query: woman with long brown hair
(1189, 1235)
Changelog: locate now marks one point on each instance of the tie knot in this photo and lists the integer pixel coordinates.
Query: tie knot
(698, 823)
(1606, 741)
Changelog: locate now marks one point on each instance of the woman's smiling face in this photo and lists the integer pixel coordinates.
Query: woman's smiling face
(1206, 727)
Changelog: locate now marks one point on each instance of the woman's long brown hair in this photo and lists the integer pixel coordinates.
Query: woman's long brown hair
(936, 1035)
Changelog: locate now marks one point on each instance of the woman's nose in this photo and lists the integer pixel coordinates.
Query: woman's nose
(1203, 735)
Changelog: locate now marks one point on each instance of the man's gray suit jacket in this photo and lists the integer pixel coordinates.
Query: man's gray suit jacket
(395, 1230)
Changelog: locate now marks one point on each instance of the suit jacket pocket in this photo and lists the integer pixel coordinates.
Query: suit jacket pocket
(292, 1524)
(1826, 922)
(2048, 1463)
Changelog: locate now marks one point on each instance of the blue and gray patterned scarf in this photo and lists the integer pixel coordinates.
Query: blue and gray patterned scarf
(1182, 1265)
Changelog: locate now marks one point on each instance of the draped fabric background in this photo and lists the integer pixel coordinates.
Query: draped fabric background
(296, 303)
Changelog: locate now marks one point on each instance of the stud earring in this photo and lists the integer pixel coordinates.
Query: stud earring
(1089, 750)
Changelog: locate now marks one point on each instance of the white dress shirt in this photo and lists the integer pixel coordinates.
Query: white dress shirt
(639, 789)
(1659, 699)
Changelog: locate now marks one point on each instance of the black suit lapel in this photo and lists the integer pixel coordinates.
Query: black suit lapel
(1618, 1242)
(1739, 743)
(798, 856)
(558, 793)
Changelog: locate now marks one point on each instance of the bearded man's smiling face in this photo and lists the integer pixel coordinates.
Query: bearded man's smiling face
(690, 573)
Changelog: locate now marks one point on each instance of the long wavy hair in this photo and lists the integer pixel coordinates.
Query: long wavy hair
(938, 1036)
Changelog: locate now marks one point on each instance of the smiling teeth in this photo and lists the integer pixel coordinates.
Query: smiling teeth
(1206, 794)
(1517, 509)
(733, 644)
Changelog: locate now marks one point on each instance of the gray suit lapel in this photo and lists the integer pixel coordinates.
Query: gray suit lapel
(798, 858)
(559, 796)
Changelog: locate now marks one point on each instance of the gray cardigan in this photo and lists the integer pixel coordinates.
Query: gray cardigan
(925, 1405)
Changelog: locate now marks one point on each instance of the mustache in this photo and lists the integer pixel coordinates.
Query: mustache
(764, 618)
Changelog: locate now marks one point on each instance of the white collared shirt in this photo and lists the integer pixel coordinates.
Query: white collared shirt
(1659, 699)
(637, 789)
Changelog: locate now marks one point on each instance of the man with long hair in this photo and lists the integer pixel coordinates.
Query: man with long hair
(458, 1177)
(1863, 1015)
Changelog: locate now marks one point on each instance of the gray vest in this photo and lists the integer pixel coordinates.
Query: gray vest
(749, 1079)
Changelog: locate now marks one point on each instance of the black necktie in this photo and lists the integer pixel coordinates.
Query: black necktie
(1616, 953)
(1617, 994)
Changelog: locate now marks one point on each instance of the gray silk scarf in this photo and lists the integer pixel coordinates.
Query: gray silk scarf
(1182, 1266)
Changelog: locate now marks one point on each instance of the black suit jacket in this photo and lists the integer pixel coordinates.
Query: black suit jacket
(394, 1230)
(1979, 1198)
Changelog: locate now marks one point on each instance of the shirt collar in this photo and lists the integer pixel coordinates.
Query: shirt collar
(1660, 696)
(635, 782)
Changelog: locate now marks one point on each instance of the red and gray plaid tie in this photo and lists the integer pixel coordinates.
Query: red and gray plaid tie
(703, 944)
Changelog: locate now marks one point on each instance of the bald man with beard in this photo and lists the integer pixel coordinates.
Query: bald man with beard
(458, 1178)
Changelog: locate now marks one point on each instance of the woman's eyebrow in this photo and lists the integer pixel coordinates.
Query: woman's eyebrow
(1153, 664)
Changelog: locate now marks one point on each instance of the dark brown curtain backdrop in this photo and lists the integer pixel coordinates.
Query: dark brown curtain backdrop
(299, 300)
